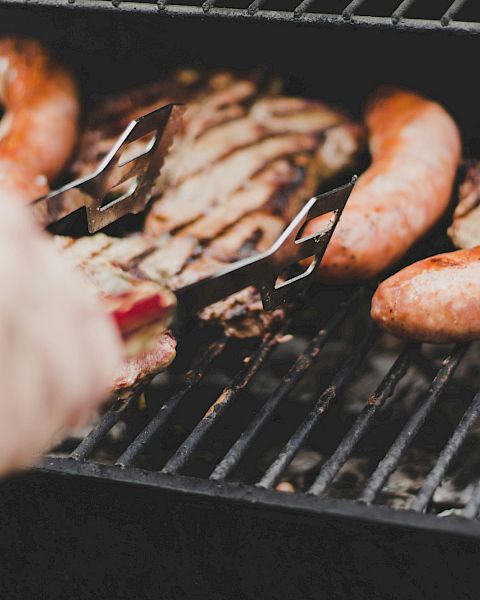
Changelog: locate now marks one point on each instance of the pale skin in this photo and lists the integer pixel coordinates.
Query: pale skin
(59, 351)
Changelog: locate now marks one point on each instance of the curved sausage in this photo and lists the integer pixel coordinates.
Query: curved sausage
(39, 127)
(415, 147)
(434, 300)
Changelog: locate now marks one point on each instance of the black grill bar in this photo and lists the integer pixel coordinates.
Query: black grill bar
(300, 366)
(255, 6)
(384, 391)
(224, 400)
(404, 439)
(434, 478)
(109, 419)
(208, 4)
(401, 10)
(396, 20)
(302, 7)
(351, 8)
(277, 468)
(450, 13)
(157, 424)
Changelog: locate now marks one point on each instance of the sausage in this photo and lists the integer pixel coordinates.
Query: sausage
(434, 300)
(415, 147)
(40, 123)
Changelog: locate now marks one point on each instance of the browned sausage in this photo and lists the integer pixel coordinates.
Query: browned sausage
(415, 147)
(434, 300)
(39, 127)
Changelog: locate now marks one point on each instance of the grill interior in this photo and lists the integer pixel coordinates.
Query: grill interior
(325, 406)
(179, 494)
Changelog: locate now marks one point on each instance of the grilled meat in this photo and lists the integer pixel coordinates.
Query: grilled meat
(140, 304)
(465, 229)
(243, 164)
(435, 300)
(416, 148)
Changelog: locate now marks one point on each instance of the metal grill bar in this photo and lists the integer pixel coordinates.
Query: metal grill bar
(396, 20)
(393, 456)
(243, 377)
(302, 8)
(435, 476)
(302, 363)
(255, 6)
(157, 424)
(384, 391)
(473, 506)
(277, 468)
(351, 8)
(401, 10)
(450, 13)
(89, 443)
(208, 4)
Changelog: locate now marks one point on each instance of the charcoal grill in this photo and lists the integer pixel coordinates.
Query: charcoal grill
(176, 494)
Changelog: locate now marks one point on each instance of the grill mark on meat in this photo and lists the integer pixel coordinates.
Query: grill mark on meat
(167, 260)
(264, 190)
(238, 199)
(227, 246)
(137, 371)
(193, 197)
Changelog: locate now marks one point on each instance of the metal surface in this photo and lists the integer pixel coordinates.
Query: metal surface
(264, 270)
(174, 472)
(139, 172)
(357, 13)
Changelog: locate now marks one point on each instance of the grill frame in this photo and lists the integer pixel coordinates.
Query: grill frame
(345, 18)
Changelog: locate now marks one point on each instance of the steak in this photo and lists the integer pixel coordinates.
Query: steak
(142, 306)
(244, 162)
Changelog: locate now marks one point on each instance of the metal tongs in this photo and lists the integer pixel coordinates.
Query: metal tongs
(264, 271)
(141, 170)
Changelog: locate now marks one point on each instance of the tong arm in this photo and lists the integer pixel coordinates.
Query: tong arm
(92, 190)
(263, 270)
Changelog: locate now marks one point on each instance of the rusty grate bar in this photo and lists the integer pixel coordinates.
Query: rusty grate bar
(157, 424)
(384, 391)
(434, 478)
(389, 463)
(295, 373)
(277, 468)
(224, 400)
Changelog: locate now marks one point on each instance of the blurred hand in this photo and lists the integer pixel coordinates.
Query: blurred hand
(59, 351)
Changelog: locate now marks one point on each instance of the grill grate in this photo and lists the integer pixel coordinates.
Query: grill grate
(142, 458)
(458, 16)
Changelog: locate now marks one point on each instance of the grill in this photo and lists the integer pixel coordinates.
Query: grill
(459, 16)
(86, 457)
(323, 460)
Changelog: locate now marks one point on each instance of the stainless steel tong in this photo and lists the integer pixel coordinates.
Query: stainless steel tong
(94, 192)
(265, 270)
